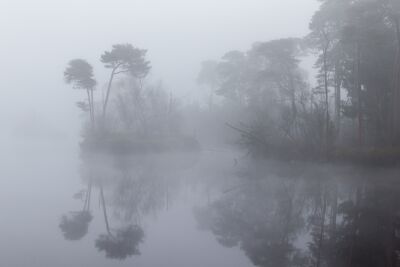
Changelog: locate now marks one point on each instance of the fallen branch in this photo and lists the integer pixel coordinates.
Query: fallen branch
(248, 134)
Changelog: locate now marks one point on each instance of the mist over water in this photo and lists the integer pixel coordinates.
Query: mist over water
(200, 133)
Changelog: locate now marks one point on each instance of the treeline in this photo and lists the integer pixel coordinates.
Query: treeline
(355, 103)
(131, 114)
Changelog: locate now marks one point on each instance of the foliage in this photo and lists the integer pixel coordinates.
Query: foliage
(124, 243)
(79, 73)
(124, 58)
(75, 225)
(357, 92)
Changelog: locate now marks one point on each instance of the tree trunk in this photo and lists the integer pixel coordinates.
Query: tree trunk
(359, 95)
(103, 203)
(322, 231)
(395, 124)
(86, 206)
(108, 93)
(93, 112)
(90, 106)
(326, 86)
(90, 193)
(389, 242)
(333, 226)
(337, 98)
(397, 25)
(355, 226)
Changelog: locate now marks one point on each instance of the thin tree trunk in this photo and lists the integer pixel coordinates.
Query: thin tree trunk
(337, 98)
(103, 203)
(325, 52)
(293, 96)
(359, 97)
(355, 226)
(395, 124)
(321, 234)
(108, 93)
(397, 25)
(90, 194)
(333, 226)
(90, 106)
(93, 111)
(86, 206)
(391, 255)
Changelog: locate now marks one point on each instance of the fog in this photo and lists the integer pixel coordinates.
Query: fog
(200, 133)
(40, 37)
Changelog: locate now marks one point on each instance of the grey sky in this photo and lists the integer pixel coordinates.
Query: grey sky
(39, 37)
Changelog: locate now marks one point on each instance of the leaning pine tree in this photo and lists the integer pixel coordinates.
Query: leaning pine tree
(79, 73)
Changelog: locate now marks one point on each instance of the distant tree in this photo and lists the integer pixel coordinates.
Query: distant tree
(148, 110)
(79, 73)
(124, 58)
(278, 69)
(268, 82)
(232, 75)
(209, 77)
(324, 38)
(356, 41)
(208, 74)
(369, 45)
(392, 8)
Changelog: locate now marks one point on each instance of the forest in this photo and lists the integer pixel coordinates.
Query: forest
(285, 154)
(347, 111)
(200, 133)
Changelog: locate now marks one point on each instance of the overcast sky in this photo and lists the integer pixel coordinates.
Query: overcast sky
(39, 37)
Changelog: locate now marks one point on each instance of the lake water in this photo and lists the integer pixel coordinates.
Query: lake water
(214, 208)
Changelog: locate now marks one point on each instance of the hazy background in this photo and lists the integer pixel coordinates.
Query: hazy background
(38, 38)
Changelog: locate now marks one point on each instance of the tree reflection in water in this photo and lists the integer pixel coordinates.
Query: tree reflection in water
(291, 215)
(311, 219)
(263, 220)
(129, 190)
(75, 225)
(123, 242)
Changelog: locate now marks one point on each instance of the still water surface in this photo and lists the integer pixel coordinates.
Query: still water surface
(214, 208)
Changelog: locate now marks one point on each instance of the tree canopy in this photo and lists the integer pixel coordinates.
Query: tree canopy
(79, 73)
(124, 58)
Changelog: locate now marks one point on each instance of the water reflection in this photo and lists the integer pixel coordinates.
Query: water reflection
(75, 225)
(129, 189)
(119, 243)
(319, 217)
(277, 214)
(123, 243)
(260, 217)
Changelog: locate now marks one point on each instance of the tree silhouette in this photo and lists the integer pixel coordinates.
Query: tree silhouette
(75, 225)
(123, 242)
(79, 73)
(124, 58)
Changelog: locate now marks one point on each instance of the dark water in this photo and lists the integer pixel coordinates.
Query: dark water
(215, 208)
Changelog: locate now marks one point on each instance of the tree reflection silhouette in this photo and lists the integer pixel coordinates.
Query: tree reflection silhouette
(260, 218)
(123, 243)
(75, 225)
(120, 243)
(345, 217)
